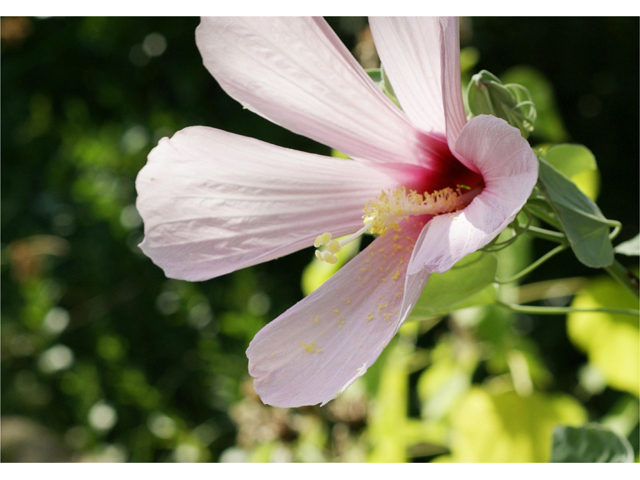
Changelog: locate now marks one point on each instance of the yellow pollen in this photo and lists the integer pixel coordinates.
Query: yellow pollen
(389, 208)
(309, 348)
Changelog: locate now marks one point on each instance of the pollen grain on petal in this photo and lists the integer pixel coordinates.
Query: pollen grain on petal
(310, 348)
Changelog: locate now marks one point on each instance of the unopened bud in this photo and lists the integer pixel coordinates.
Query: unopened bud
(512, 102)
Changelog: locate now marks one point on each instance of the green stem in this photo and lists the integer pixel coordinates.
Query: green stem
(543, 215)
(624, 277)
(534, 265)
(532, 292)
(616, 230)
(547, 234)
(564, 310)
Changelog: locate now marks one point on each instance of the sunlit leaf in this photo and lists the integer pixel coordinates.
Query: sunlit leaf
(585, 226)
(387, 424)
(467, 284)
(469, 57)
(263, 452)
(589, 443)
(337, 154)
(391, 431)
(549, 125)
(447, 379)
(500, 426)
(630, 247)
(610, 341)
(577, 163)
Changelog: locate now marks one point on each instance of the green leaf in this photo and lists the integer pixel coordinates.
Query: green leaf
(467, 284)
(577, 163)
(375, 74)
(610, 341)
(590, 443)
(582, 221)
(549, 125)
(630, 247)
(382, 81)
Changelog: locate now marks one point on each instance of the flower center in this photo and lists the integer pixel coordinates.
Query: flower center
(388, 209)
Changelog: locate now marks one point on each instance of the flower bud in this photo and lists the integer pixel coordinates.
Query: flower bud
(512, 102)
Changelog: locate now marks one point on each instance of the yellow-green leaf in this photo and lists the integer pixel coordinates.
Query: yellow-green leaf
(578, 164)
(490, 426)
(610, 341)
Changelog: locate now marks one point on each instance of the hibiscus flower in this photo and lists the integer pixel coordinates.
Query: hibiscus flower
(431, 185)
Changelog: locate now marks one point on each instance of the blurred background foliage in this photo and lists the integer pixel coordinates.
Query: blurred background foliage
(105, 359)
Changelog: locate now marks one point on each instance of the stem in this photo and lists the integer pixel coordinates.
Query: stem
(534, 265)
(616, 231)
(563, 287)
(543, 215)
(547, 234)
(563, 310)
(624, 276)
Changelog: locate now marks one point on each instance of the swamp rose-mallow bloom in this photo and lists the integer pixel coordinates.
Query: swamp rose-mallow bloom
(431, 185)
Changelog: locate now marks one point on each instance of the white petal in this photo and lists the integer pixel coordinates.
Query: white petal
(451, 90)
(214, 202)
(409, 48)
(296, 72)
(316, 349)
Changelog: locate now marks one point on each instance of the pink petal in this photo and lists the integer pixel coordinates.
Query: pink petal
(295, 72)
(214, 202)
(510, 170)
(409, 48)
(451, 89)
(316, 349)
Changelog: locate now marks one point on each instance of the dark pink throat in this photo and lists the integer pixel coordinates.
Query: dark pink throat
(437, 169)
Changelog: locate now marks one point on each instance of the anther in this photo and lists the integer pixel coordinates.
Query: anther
(334, 246)
(390, 207)
(328, 257)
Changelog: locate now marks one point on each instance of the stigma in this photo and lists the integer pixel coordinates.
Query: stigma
(386, 211)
